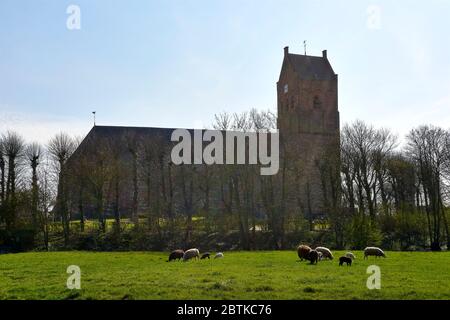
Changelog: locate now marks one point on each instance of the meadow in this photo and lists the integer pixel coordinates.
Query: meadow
(240, 275)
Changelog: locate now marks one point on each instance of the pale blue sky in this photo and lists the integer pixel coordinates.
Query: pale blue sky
(174, 63)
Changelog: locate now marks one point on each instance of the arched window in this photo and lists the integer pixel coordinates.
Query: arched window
(317, 104)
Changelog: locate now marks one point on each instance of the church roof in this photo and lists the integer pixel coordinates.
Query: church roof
(311, 67)
(118, 131)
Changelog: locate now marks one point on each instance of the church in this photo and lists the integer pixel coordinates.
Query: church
(126, 172)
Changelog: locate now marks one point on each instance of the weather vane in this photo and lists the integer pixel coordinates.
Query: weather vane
(94, 112)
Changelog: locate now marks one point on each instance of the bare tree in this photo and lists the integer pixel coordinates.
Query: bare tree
(367, 149)
(2, 172)
(385, 143)
(33, 154)
(47, 196)
(262, 120)
(13, 147)
(427, 148)
(99, 176)
(132, 144)
(222, 121)
(329, 166)
(60, 149)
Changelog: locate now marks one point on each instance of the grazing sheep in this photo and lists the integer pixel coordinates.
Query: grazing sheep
(346, 260)
(350, 255)
(373, 251)
(218, 255)
(313, 256)
(176, 255)
(303, 252)
(205, 255)
(326, 252)
(320, 256)
(191, 253)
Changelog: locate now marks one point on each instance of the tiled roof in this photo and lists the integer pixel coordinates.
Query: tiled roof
(311, 68)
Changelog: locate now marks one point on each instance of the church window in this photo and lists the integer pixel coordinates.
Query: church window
(286, 88)
(317, 104)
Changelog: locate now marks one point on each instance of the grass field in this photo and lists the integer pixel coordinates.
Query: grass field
(240, 275)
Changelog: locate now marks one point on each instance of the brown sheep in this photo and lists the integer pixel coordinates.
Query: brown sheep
(373, 251)
(205, 255)
(176, 255)
(313, 256)
(346, 260)
(303, 252)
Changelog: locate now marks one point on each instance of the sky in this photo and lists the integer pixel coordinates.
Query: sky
(175, 63)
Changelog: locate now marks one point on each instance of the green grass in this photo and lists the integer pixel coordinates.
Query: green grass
(240, 275)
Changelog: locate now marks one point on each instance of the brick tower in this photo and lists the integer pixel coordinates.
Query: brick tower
(308, 120)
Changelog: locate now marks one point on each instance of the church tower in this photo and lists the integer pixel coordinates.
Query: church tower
(308, 118)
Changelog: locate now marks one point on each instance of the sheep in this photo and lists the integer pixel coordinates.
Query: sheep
(313, 256)
(346, 260)
(205, 255)
(191, 253)
(218, 255)
(320, 256)
(303, 252)
(350, 255)
(326, 252)
(176, 255)
(373, 251)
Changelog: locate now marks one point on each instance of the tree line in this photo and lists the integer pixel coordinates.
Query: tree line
(376, 190)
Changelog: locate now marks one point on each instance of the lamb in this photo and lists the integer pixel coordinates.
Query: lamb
(350, 255)
(218, 255)
(373, 251)
(303, 252)
(313, 256)
(176, 255)
(190, 254)
(205, 255)
(326, 252)
(346, 260)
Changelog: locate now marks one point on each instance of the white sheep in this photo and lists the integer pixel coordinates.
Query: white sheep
(326, 252)
(218, 255)
(373, 251)
(191, 253)
(320, 256)
(350, 255)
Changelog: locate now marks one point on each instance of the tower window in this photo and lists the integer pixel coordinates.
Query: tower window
(286, 88)
(317, 104)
